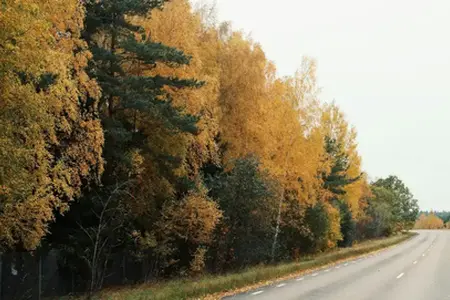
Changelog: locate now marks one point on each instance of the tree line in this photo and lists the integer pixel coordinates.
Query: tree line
(433, 220)
(148, 128)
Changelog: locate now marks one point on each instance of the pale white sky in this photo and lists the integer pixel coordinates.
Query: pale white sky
(387, 65)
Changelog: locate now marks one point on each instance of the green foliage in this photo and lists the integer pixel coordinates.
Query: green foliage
(337, 178)
(247, 197)
(178, 176)
(144, 201)
(348, 225)
(318, 222)
(404, 206)
(380, 217)
(336, 182)
(134, 104)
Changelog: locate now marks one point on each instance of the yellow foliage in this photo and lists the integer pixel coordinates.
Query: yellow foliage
(198, 261)
(334, 125)
(430, 221)
(334, 232)
(177, 26)
(277, 120)
(261, 116)
(243, 109)
(194, 219)
(51, 141)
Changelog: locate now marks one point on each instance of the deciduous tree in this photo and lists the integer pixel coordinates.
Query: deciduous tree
(50, 135)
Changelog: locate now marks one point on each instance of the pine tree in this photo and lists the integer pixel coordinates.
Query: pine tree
(348, 225)
(123, 56)
(336, 180)
(144, 137)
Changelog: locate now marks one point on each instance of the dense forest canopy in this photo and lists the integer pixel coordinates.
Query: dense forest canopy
(146, 128)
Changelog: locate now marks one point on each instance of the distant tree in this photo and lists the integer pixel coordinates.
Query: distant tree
(444, 215)
(430, 221)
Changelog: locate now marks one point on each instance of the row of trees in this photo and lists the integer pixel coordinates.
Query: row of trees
(433, 220)
(143, 127)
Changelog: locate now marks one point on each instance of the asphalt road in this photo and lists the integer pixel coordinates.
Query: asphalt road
(416, 269)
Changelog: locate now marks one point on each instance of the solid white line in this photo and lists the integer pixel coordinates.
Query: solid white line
(400, 276)
(415, 262)
(257, 293)
(315, 274)
(281, 285)
(300, 279)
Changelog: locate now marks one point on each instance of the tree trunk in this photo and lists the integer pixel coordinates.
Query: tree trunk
(277, 228)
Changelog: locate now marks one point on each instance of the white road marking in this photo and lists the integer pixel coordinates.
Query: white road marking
(281, 285)
(423, 254)
(415, 262)
(257, 293)
(300, 279)
(400, 275)
(315, 274)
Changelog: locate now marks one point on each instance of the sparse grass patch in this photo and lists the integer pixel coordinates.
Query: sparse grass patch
(213, 287)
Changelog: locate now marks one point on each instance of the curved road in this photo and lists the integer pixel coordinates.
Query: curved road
(416, 269)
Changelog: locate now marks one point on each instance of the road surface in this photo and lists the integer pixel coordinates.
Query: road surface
(416, 269)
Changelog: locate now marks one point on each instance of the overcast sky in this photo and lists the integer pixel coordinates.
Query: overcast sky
(385, 63)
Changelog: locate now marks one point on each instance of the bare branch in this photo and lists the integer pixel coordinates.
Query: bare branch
(85, 231)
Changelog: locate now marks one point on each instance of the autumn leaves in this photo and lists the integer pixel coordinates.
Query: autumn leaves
(172, 140)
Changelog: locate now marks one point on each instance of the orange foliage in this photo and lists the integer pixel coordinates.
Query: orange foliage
(430, 221)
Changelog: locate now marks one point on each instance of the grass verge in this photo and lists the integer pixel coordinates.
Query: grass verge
(215, 287)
